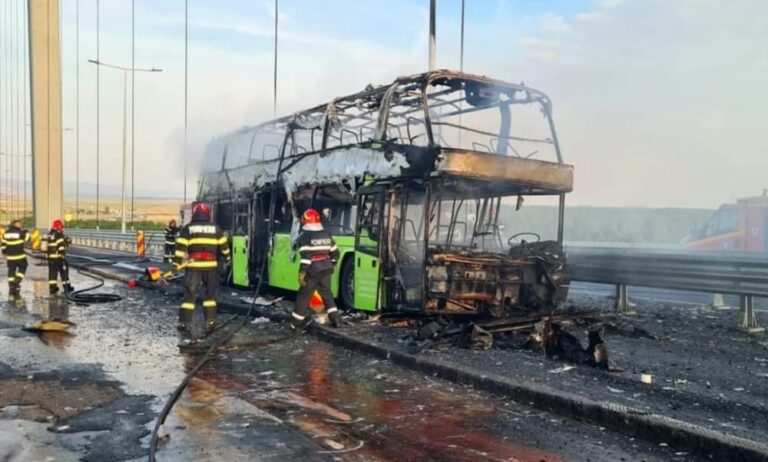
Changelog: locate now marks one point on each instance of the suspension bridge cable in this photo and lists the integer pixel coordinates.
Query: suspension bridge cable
(133, 106)
(98, 106)
(77, 111)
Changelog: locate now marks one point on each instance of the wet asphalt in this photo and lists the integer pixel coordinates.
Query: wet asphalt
(268, 395)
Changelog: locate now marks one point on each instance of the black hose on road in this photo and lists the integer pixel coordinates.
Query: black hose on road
(205, 358)
(81, 296)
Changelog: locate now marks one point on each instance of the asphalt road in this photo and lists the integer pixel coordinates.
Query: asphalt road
(93, 395)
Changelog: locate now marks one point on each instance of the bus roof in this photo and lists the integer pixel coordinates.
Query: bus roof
(398, 129)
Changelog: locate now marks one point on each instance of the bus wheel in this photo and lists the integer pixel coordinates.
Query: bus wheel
(347, 286)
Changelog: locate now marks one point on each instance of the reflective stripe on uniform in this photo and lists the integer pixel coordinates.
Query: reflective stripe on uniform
(54, 255)
(209, 303)
(180, 253)
(182, 241)
(187, 306)
(298, 316)
(204, 241)
(202, 264)
(15, 257)
(15, 242)
(306, 261)
(20, 275)
(314, 248)
(11, 279)
(331, 310)
(52, 282)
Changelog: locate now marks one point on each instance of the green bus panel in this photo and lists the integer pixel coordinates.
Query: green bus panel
(284, 262)
(240, 261)
(367, 269)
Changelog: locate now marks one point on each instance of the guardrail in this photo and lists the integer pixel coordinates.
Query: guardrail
(745, 275)
(115, 240)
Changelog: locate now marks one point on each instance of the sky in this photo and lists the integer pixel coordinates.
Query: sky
(658, 103)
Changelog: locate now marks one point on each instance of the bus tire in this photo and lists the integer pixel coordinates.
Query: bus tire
(347, 285)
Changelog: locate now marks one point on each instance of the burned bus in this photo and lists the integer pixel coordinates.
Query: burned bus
(411, 178)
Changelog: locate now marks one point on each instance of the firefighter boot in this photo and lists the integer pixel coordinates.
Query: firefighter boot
(334, 317)
(210, 320)
(53, 289)
(68, 288)
(14, 290)
(300, 323)
(185, 320)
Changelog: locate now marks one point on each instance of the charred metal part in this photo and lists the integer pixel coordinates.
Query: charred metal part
(509, 175)
(480, 338)
(532, 278)
(560, 344)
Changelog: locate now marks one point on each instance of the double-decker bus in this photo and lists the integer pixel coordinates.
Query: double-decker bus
(410, 178)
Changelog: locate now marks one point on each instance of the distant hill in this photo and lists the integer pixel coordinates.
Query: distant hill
(607, 224)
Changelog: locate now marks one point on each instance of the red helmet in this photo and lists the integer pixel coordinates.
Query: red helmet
(310, 217)
(58, 224)
(203, 209)
(172, 223)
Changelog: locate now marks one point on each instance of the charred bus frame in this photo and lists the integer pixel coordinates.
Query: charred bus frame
(373, 159)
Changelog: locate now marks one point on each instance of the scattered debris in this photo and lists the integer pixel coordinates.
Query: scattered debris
(162, 434)
(646, 378)
(330, 444)
(261, 301)
(480, 338)
(49, 325)
(260, 320)
(562, 369)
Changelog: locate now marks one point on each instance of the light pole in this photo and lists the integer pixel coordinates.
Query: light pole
(125, 70)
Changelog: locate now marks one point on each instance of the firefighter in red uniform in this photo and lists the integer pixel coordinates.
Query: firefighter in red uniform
(12, 246)
(203, 244)
(318, 253)
(56, 252)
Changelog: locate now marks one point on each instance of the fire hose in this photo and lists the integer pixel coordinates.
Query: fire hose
(82, 296)
(202, 362)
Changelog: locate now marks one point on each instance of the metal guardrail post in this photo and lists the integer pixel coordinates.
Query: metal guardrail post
(748, 318)
(718, 302)
(622, 299)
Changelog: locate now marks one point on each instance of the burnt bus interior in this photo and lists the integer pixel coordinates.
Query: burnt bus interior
(419, 172)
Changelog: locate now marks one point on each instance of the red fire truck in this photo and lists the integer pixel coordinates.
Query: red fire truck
(739, 227)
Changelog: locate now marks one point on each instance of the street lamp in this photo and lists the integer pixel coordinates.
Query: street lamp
(125, 111)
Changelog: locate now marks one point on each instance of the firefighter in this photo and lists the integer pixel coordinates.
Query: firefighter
(56, 252)
(12, 246)
(203, 244)
(170, 240)
(318, 254)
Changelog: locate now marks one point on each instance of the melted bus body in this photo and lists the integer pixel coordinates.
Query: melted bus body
(411, 179)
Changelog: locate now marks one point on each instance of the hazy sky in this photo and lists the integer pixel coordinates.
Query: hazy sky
(657, 102)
